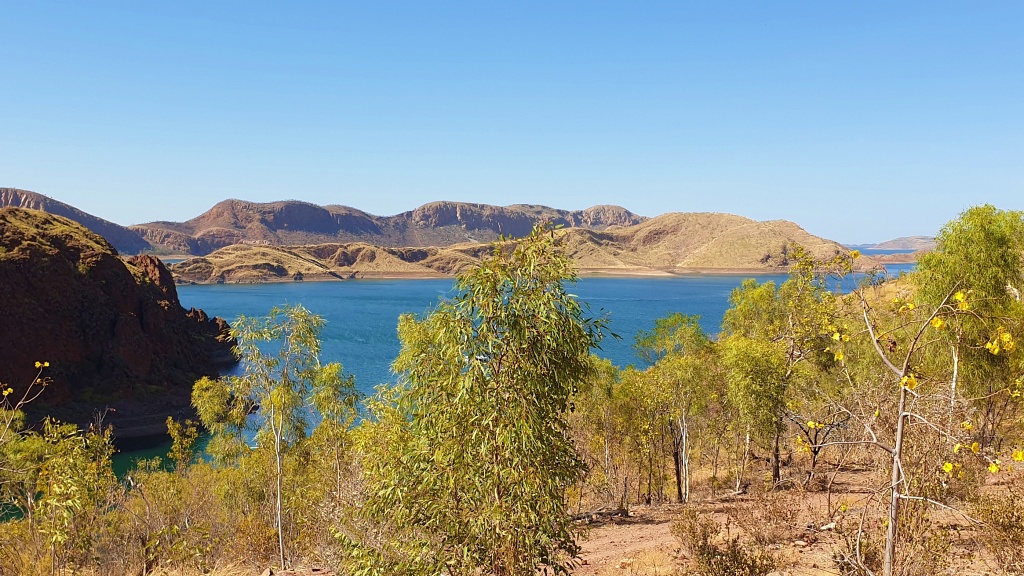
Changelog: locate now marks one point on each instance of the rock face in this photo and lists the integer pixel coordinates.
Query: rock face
(436, 224)
(113, 331)
(124, 240)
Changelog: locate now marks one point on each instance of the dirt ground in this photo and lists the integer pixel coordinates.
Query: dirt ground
(794, 525)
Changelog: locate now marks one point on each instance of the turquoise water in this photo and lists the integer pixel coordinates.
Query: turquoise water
(362, 315)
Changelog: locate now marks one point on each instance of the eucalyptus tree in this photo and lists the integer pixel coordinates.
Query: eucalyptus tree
(685, 364)
(277, 397)
(775, 340)
(477, 479)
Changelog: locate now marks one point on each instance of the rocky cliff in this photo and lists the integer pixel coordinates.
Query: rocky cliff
(113, 331)
(435, 224)
(124, 240)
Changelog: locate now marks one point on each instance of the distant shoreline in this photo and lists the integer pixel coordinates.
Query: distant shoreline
(583, 273)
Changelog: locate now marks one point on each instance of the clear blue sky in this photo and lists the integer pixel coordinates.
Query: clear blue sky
(860, 121)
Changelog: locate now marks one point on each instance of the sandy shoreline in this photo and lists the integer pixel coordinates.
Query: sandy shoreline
(583, 273)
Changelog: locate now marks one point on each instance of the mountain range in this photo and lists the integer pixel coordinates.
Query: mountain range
(240, 241)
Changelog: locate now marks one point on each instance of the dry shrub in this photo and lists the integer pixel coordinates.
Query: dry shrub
(770, 518)
(697, 535)
(922, 548)
(1003, 532)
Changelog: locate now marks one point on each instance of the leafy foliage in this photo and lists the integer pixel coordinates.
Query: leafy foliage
(484, 461)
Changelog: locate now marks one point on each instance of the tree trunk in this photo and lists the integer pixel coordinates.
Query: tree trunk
(743, 461)
(278, 432)
(894, 488)
(676, 441)
(776, 473)
(684, 433)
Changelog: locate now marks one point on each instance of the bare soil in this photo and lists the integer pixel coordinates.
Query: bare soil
(801, 534)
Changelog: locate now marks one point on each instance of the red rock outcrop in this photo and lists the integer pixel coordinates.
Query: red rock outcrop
(113, 331)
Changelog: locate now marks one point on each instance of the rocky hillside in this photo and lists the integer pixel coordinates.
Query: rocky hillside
(123, 239)
(113, 331)
(668, 244)
(292, 223)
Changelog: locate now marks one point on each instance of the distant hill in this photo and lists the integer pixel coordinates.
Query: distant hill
(124, 240)
(668, 244)
(290, 223)
(908, 243)
(113, 330)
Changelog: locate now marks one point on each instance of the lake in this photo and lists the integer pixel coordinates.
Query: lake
(362, 315)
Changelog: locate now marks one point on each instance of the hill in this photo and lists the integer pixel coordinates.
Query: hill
(114, 332)
(296, 223)
(915, 243)
(124, 240)
(668, 244)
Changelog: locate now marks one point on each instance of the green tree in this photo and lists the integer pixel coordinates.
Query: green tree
(777, 339)
(274, 395)
(479, 478)
(684, 362)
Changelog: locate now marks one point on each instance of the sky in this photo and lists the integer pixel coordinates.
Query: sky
(860, 121)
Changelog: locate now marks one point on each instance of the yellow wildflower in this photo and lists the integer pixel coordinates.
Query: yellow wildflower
(993, 346)
(947, 468)
(966, 426)
(910, 381)
(855, 254)
(836, 336)
(840, 356)
(957, 447)
(975, 447)
(993, 467)
(938, 323)
(8, 391)
(1018, 455)
(846, 337)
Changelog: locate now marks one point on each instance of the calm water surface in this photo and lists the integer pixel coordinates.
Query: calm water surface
(362, 315)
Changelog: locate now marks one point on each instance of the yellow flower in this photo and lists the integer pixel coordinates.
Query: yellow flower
(910, 381)
(957, 447)
(810, 424)
(846, 337)
(1018, 455)
(993, 347)
(840, 356)
(966, 426)
(938, 323)
(836, 336)
(993, 467)
(975, 447)
(855, 254)
(8, 391)
(960, 296)
(947, 468)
